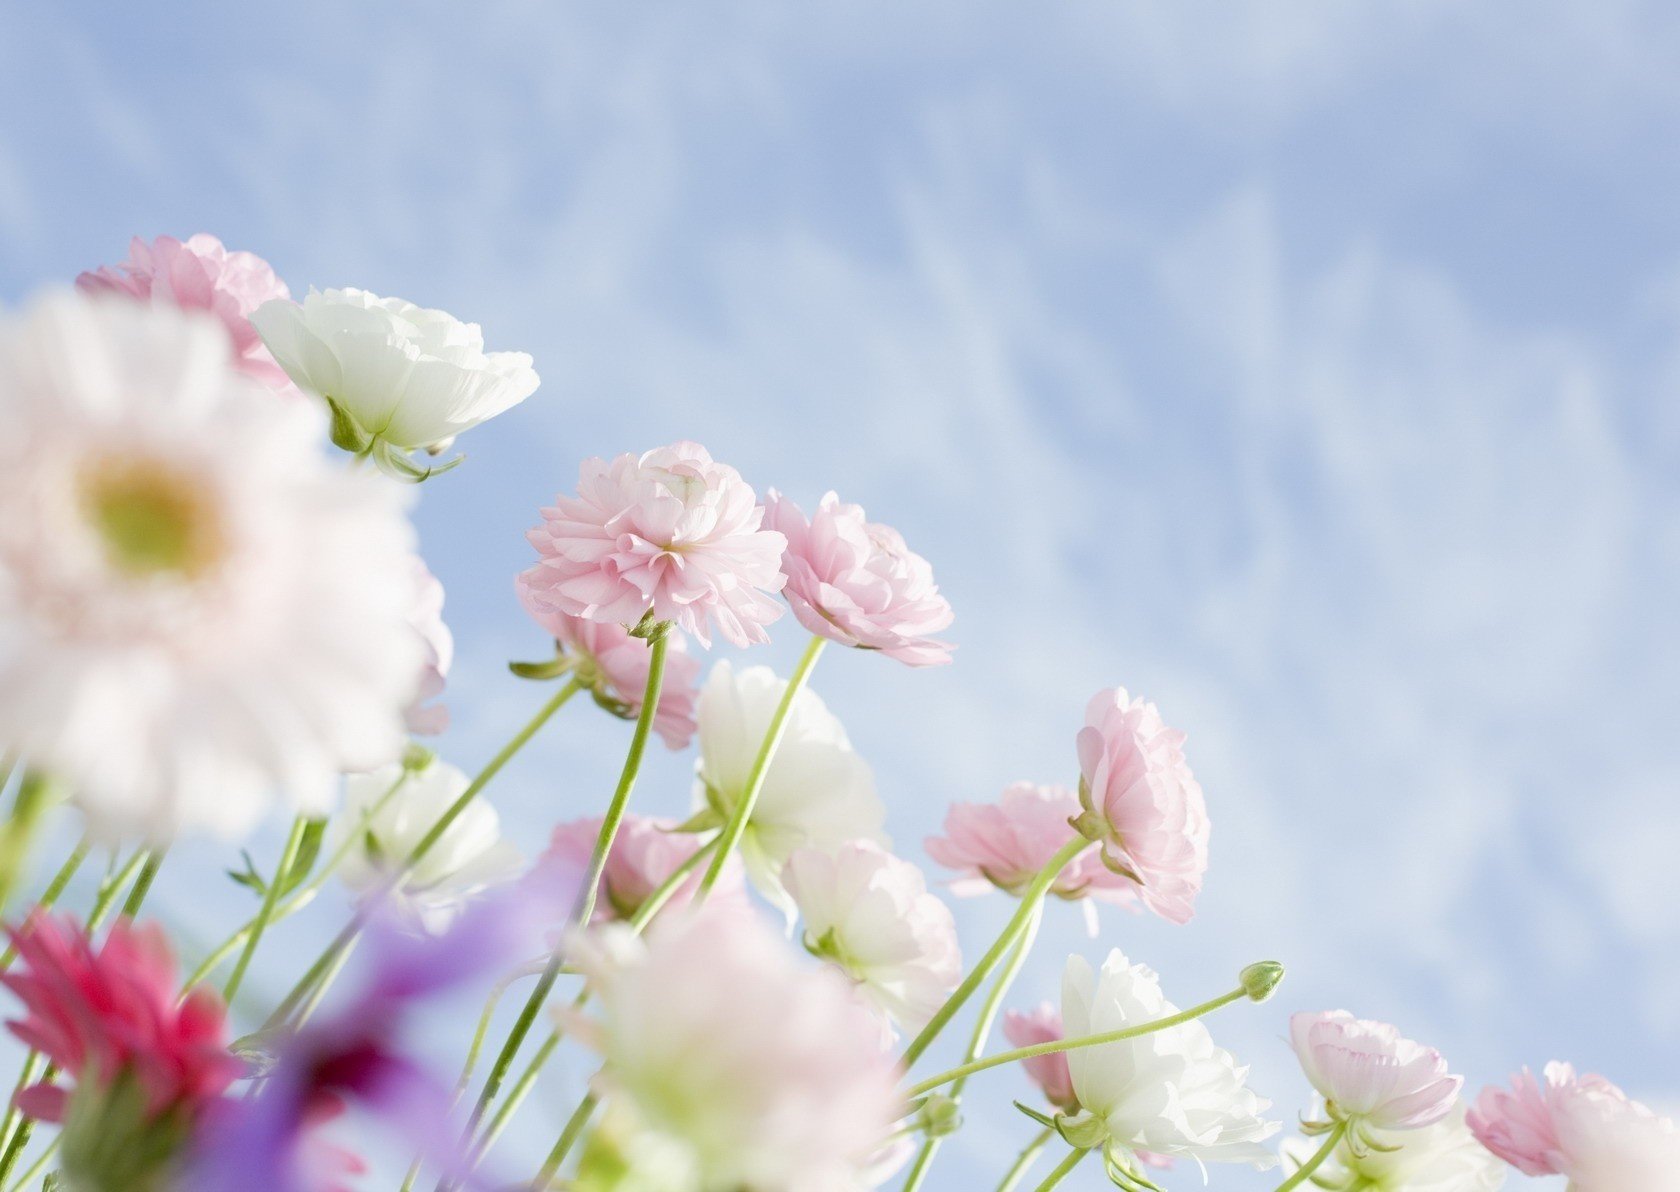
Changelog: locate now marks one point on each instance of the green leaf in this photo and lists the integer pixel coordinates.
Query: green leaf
(309, 848)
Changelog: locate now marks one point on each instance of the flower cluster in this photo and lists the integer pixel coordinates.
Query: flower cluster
(209, 616)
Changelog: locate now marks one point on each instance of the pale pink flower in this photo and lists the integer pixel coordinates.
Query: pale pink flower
(1582, 1127)
(201, 274)
(1142, 803)
(613, 666)
(870, 914)
(422, 715)
(671, 535)
(1367, 1071)
(854, 581)
(646, 851)
(1004, 845)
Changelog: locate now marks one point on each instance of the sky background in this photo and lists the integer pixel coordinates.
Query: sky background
(1309, 368)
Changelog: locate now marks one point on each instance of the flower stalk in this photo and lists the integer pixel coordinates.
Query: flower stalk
(1331, 1141)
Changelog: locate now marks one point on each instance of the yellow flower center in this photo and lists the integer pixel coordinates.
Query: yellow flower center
(152, 517)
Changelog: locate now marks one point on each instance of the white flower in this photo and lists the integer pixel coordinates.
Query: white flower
(1444, 1157)
(198, 611)
(818, 793)
(750, 1070)
(871, 914)
(438, 644)
(1171, 1092)
(405, 377)
(468, 858)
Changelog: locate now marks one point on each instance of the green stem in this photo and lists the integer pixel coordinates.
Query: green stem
(37, 1167)
(265, 913)
(1055, 1045)
(143, 884)
(1062, 1169)
(592, 881)
(1031, 898)
(109, 889)
(49, 896)
(1331, 1141)
(34, 796)
(15, 1128)
(1028, 1156)
(306, 1010)
(741, 814)
(568, 1136)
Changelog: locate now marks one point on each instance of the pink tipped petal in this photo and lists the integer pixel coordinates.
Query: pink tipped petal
(1367, 1070)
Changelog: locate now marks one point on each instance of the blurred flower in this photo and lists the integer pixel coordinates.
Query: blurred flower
(201, 275)
(467, 859)
(1369, 1074)
(855, 582)
(145, 1066)
(870, 913)
(1441, 1157)
(1171, 1092)
(1142, 803)
(1582, 1127)
(199, 610)
(1004, 845)
(672, 536)
(613, 666)
(645, 853)
(399, 377)
(438, 643)
(1049, 1072)
(737, 1065)
(817, 793)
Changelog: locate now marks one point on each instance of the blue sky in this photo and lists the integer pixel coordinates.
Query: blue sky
(1309, 368)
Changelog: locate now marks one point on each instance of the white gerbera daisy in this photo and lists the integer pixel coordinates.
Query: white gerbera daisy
(198, 612)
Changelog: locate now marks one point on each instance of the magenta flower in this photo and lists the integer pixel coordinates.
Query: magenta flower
(1004, 845)
(1142, 803)
(646, 852)
(614, 666)
(671, 535)
(1367, 1071)
(854, 581)
(201, 275)
(1582, 1127)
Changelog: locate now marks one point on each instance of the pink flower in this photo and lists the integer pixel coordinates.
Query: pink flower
(1142, 802)
(1004, 845)
(1048, 1072)
(854, 581)
(672, 535)
(614, 666)
(201, 275)
(100, 1015)
(1582, 1127)
(427, 618)
(646, 851)
(1365, 1070)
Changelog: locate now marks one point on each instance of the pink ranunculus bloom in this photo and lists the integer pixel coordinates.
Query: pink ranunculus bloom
(201, 274)
(854, 581)
(645, 853)
(671, 535)
(614, 666)
(1580, 1126)
(1004, 845)
(423, 716)
(105, 1013)
(1142, 803)
(1368, 1071)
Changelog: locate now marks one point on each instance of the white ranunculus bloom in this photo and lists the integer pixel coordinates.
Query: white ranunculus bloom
(198, 610)
(1444, 1157)
(1170, 1092)
(405, 377)
(870, 913)
(818, 793)
(468, 858)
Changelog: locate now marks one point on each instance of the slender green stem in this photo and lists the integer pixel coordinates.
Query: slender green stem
(37, 1167)
(327, 962)
(1031, 898)
(1304, 1172)
(568, 1137)
(143, 884)
(435, 833)
(49, 896)
(741, 814)
(1066, 1165)
(15, 1146)
(35, 795)
(1055, 1045)
(592, 881)
(307, 1010)
(265, 913)
(111, 887)
(15, 1128)
(1028, 1156)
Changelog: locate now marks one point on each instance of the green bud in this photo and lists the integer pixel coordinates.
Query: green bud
(417, 758)
(1261, 980)
(939, 1116)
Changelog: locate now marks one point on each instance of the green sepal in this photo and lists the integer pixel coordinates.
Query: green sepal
(396, 464)
(1043, 1119)
(347, 433)
(1083, 1130)
(704, 820)
(549, 668)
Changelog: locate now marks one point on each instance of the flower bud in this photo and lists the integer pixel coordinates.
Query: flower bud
(1261, 980)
